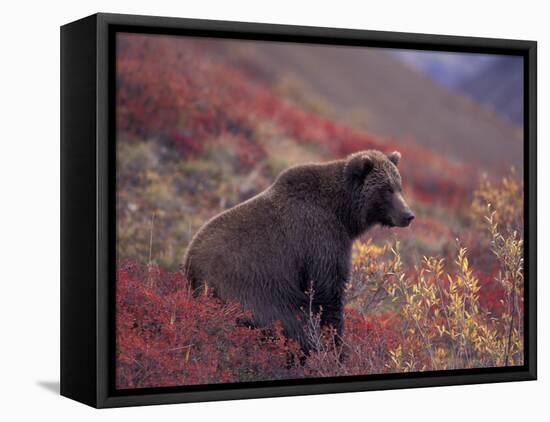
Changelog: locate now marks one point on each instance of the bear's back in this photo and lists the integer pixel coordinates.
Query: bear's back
(265, 236)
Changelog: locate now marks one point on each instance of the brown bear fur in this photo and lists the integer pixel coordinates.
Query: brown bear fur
(266, 252)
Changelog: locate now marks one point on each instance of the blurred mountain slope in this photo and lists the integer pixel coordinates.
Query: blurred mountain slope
(499, 86)
(372, 90)
(447, 68)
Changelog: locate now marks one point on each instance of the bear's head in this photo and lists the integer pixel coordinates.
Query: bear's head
(374, 184)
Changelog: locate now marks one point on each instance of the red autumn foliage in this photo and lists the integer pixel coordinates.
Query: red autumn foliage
(165, 91)
(166, 336)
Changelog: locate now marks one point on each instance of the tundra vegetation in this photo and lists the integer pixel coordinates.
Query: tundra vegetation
(196, 135)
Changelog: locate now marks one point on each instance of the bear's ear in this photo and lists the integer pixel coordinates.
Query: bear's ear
(358, 167)
(394, 157)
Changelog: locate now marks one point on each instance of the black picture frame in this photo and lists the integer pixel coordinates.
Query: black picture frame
(88, 216)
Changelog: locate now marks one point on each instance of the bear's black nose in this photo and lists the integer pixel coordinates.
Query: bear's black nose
(409, 216)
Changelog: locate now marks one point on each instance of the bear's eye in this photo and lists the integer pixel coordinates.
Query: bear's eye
(390, 190)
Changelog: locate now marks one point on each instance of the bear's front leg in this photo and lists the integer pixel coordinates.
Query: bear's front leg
(333, 316)
(329, 299)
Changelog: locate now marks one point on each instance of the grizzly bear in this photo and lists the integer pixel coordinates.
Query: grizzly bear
(266, 252)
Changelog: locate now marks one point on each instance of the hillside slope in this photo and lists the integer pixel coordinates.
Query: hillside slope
(499, 86)
(373, 91)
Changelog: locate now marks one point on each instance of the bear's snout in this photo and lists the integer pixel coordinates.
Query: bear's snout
(400, 214)
(404, 219)
(408, 217)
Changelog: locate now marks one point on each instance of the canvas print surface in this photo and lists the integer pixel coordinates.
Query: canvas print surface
(289, 211)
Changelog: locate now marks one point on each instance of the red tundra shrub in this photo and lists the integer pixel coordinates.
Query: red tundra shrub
(168, 337)
(362, 350)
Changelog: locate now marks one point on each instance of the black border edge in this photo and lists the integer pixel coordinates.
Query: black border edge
(78, 211)
(106, 215)
(321, 387)
(105, 395)
(324, 35)
(530, 169)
